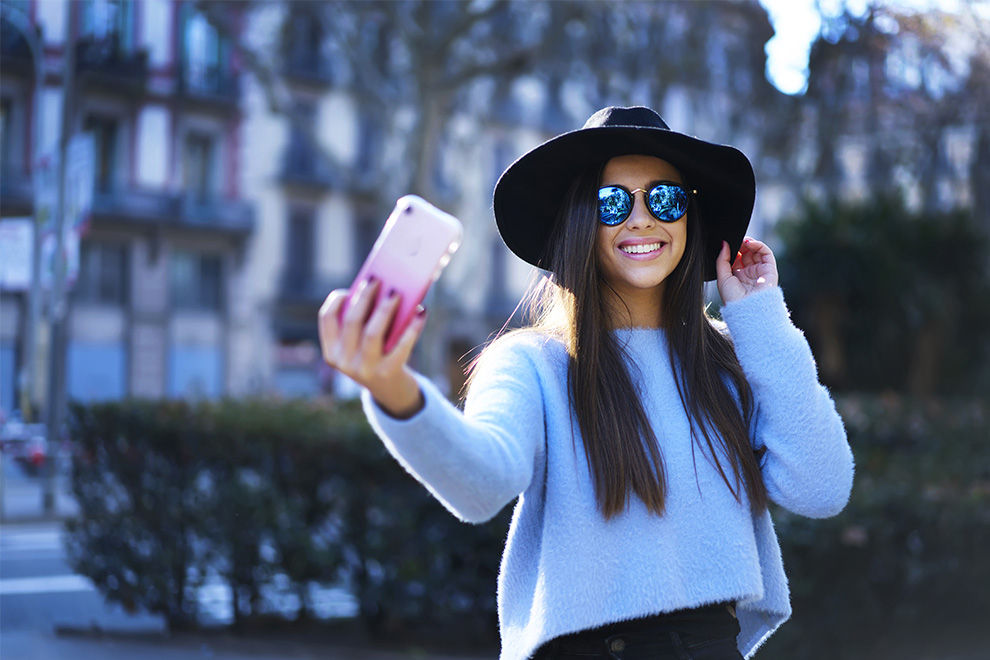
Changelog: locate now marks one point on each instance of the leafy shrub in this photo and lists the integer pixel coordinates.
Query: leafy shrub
(907, 557)
(173, 494)
(890, 299)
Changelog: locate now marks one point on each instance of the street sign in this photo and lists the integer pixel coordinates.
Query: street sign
(16, 235)
(80, 167)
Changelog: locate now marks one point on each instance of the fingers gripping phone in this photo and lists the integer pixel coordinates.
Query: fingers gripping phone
(415, 245)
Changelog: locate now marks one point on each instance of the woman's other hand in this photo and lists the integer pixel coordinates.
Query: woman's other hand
(753, 269)
(354, 346)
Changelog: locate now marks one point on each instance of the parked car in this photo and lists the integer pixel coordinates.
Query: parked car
(27, 444)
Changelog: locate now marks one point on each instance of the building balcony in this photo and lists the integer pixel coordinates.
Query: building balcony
(298, 288)
(308, 69)
(103, 64)
(300, 295)
(209, 86)
(234, 216)
(304, 166)
(175, 210)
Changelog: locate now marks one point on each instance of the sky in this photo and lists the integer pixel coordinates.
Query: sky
(796, 23)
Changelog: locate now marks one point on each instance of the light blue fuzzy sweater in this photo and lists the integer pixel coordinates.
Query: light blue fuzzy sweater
(565, 568)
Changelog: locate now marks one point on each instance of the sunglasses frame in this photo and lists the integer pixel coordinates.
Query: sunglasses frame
(690, 192)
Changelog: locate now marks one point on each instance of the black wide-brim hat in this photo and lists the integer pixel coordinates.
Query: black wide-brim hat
(530, 192)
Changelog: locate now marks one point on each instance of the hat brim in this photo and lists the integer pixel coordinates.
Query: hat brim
(529, 193)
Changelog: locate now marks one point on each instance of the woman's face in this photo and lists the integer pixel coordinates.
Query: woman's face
(638, 277)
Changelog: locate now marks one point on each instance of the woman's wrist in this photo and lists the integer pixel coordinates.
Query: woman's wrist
(400, 397)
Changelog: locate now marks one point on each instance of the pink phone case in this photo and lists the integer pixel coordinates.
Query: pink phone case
(416, 243)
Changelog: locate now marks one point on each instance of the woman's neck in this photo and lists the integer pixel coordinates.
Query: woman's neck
(638, 308)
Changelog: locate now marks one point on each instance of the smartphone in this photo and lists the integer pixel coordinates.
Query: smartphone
(415, 245)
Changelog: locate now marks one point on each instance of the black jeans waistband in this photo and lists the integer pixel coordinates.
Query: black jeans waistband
(710, 622)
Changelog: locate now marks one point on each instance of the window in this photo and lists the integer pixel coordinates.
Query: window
(196, 280)
(23, 6)
(106, 19)
(197, 167)
(367, 227)
(202, 49)
(300, 257)
(305, 42)
(302, 156)
(102, 273)
(298, 368)
(7, 379)
(195, 371)
(370, 144)
(16, 50)
(497, 293)
(96, 371)
(6, 134)
(104, 130)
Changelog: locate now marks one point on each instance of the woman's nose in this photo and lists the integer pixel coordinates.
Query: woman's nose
(640, 216)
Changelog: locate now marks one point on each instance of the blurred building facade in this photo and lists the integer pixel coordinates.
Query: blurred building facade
(220, 224)
(156, 308)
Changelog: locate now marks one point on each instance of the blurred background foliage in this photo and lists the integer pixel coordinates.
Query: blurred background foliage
(890, 299)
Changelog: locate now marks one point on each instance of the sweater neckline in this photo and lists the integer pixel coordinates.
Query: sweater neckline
(639, 330)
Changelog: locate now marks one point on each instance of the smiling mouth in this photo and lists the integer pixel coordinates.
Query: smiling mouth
(641, 249)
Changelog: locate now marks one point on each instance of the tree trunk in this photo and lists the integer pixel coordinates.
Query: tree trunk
(827, 313)
(424, 150)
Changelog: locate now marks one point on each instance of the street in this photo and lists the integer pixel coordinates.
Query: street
(39, 593)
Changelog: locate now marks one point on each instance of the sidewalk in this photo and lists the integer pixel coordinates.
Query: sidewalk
(21, 496)
(22, 503)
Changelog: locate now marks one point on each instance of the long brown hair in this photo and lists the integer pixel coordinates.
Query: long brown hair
(620, 446)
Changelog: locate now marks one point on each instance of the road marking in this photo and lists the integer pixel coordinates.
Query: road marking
(45, 585)
(14, 545)
(15, 540)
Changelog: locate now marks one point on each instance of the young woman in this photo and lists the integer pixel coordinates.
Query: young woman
(642, 439)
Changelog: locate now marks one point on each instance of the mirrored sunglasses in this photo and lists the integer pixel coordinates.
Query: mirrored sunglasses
(667, 202)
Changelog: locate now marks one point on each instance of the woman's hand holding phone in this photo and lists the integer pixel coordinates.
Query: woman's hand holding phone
(367, 332)
(354, 344)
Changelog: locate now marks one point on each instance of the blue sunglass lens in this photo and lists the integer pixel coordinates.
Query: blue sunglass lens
(668, 202)
(614, 205)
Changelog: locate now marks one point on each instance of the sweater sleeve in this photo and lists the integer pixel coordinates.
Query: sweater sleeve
(477, 461)
(808, 465)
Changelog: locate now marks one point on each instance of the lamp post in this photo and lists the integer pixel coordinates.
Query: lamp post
(55, 409)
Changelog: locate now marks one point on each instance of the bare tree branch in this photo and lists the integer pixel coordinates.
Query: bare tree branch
(280, 100)
(375, 84)
(512, 64)
(469, 20)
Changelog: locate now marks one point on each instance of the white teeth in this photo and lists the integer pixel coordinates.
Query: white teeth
(640, 249)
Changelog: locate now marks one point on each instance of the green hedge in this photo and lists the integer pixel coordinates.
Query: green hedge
(890, 298)
(260, 492)
(906, 561)
(264, 492)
